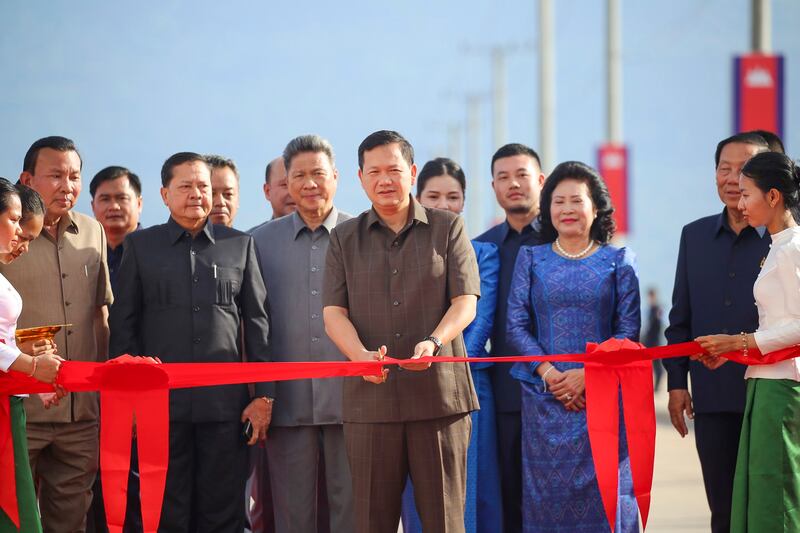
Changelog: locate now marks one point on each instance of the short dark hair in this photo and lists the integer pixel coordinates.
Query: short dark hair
(32, 203)
(512, 149)
(268, 172)
(773, 170)
(441, 166)
(383, 138)
(742, 138)
(603, 226)
(218, 161)
(773, 141)
(61, 144)
(179, 159)
(7, 190)
(112, 173)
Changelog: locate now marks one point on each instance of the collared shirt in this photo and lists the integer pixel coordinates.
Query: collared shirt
(115, 258)
(293, 264)
(777, 292)
(396, 288)
(65, 281)
(186, 300)
(713, 293)
(507, 389)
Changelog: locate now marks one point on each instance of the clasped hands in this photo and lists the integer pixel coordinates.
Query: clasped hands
(422, 349)
(568, 387)
(716, 345)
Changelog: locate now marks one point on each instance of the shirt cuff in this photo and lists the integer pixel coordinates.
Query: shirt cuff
(677, 380)
(266, 389)
(7, 356)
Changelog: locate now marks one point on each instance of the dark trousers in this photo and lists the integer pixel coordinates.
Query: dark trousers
(383, 455)
(96, 519)
(206, 478)
(717, 439)
(509, 445)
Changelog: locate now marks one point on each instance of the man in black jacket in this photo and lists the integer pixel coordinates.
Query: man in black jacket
(718, 261)
(185, 291)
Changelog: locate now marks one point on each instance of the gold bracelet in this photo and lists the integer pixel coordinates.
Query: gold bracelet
(745, 345)
(267, 399)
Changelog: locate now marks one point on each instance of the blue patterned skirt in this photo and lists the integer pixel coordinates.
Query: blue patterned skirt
(560, 492)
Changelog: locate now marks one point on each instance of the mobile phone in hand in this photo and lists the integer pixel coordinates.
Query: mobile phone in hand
(247, 430)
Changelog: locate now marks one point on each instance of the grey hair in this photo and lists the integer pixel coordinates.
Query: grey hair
(307, 143)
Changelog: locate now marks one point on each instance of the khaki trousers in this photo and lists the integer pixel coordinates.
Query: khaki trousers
(64, 459)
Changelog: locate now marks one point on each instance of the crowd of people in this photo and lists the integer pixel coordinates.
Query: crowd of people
(454, 447)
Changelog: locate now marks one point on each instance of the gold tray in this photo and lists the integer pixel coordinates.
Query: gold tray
(38, 333)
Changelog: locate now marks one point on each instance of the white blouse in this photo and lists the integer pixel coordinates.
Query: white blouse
(10, 309)
(777, 293)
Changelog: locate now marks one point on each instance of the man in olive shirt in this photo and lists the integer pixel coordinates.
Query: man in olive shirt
(402, 280)
(63, 279)
(306, 428)
(189, 291)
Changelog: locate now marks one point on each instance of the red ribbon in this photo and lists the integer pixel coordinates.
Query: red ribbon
(133, 387)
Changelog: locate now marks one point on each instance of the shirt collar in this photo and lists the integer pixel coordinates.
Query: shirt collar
(415, 212)
(122, 244)
(329, 223)
(506, 228)
(721, 223)
(176, 231)
(67, 223)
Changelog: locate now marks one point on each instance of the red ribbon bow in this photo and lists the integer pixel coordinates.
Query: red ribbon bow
(135, 387)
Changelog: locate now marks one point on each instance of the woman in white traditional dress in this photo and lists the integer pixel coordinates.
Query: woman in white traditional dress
(766, 492)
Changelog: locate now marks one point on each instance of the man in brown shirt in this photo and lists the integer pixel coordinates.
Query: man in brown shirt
(63, 279)
(402, 280)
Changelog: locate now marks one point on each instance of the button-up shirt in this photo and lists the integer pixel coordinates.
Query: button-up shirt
(115, 258)
(396, 288)
(507, 390)
(65, 281)
(293, 264)
(713, 293)
(186, 300)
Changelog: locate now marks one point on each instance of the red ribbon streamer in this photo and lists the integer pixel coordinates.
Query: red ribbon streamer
(133, 387)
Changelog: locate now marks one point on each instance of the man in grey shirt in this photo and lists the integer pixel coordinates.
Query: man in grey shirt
(307, 420)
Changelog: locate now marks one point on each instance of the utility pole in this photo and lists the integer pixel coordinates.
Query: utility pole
(762, 27)
(614, 78)
(499, 97)
(454, 142)
(474, 208)
(499, 108)
(612, 156)
(547, 81)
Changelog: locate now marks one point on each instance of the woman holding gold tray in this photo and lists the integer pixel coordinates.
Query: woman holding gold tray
(21, 219)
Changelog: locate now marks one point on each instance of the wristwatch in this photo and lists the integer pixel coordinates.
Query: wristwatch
(435, 341)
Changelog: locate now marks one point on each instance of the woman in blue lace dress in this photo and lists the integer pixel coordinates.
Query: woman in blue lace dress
(441, 184)
(573, 290)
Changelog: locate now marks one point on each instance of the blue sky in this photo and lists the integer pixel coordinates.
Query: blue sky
(134, 83)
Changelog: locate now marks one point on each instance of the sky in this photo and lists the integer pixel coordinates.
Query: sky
(135, 83)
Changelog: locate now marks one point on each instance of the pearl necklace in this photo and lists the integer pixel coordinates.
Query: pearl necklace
(580, 254)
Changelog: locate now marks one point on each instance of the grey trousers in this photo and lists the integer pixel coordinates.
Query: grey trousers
(293, 454)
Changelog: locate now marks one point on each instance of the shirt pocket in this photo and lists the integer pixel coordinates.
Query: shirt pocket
(166, 293)
(227, 283)
(432, 273)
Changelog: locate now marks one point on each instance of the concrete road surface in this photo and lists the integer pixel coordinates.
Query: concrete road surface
(678, 499)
